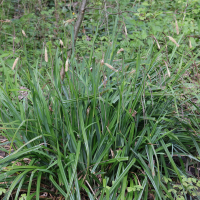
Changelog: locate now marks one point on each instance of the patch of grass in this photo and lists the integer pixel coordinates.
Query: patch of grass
(115, 124)
(98, 131)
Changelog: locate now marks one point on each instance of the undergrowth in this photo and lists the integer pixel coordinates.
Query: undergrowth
(108, 128)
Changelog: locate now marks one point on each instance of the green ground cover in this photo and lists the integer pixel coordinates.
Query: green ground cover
(121, 121)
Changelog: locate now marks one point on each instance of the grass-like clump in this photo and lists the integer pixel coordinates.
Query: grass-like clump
(123, 126)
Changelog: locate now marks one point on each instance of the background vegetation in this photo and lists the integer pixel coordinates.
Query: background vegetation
(118, 119)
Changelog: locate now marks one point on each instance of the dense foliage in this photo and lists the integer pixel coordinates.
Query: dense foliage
(122, 121)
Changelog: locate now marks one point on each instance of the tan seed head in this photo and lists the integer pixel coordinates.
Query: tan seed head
(46, 55)
(24, 34)
(111, 67)
(15, 63)
(67, 65)
(173, 40)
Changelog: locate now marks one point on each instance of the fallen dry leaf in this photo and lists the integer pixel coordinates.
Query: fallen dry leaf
(23, 93)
